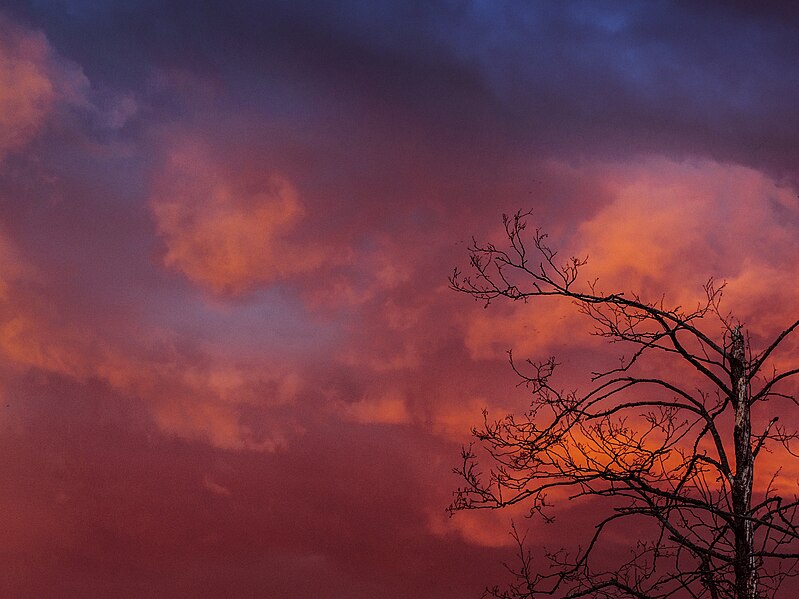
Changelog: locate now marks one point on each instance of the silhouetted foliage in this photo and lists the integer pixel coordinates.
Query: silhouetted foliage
(660, 447)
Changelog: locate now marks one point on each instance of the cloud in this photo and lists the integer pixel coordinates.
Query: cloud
(12, 267)
(666, 227)
(303, 410)
(27, 93)
(672, 225)
(225, 401)
(225, 406)
(528, 330)
(390, 408)
(224, 235)
(33, 79)
(218, 424)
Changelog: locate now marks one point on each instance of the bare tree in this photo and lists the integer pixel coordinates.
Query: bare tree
(672, 454)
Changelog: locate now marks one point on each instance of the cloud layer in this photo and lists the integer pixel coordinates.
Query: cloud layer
(229, 359)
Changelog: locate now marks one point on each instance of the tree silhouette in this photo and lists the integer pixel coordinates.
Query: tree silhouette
(678, 449)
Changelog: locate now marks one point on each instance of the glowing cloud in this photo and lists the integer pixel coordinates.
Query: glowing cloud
(389, 409)
(230, 364)
(223, 236)
(32, 80)
(26, 91)
(672, 225)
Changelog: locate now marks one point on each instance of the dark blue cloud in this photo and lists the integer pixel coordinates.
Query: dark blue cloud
(580, 78)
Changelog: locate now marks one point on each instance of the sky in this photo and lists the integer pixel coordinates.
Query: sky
(230, 362)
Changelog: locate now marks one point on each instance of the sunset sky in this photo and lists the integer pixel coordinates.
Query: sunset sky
(230, 362)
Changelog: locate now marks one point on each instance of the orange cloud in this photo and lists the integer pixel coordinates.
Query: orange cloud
(11, 266)
(676, 224)
(26, 92)
(455, 418)
(668, 228)
(373, 274)
(528, 329)
(226, 237)
(186, 400)
(484, 528)
(390, 408)
(218, 424)
(194, 394)
(32, 80)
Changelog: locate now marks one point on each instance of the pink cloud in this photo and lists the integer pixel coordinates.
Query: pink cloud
(189, 392)
(33, 79)
(390, 408)
(665, 229)
(27, 93)
(227, 235)
(287, 420)
(674, 224)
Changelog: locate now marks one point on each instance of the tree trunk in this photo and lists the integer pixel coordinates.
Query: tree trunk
(745, 565)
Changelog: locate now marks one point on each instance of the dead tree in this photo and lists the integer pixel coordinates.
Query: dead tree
(677, 445)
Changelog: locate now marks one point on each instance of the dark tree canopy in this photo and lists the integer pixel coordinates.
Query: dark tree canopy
(679, 449)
